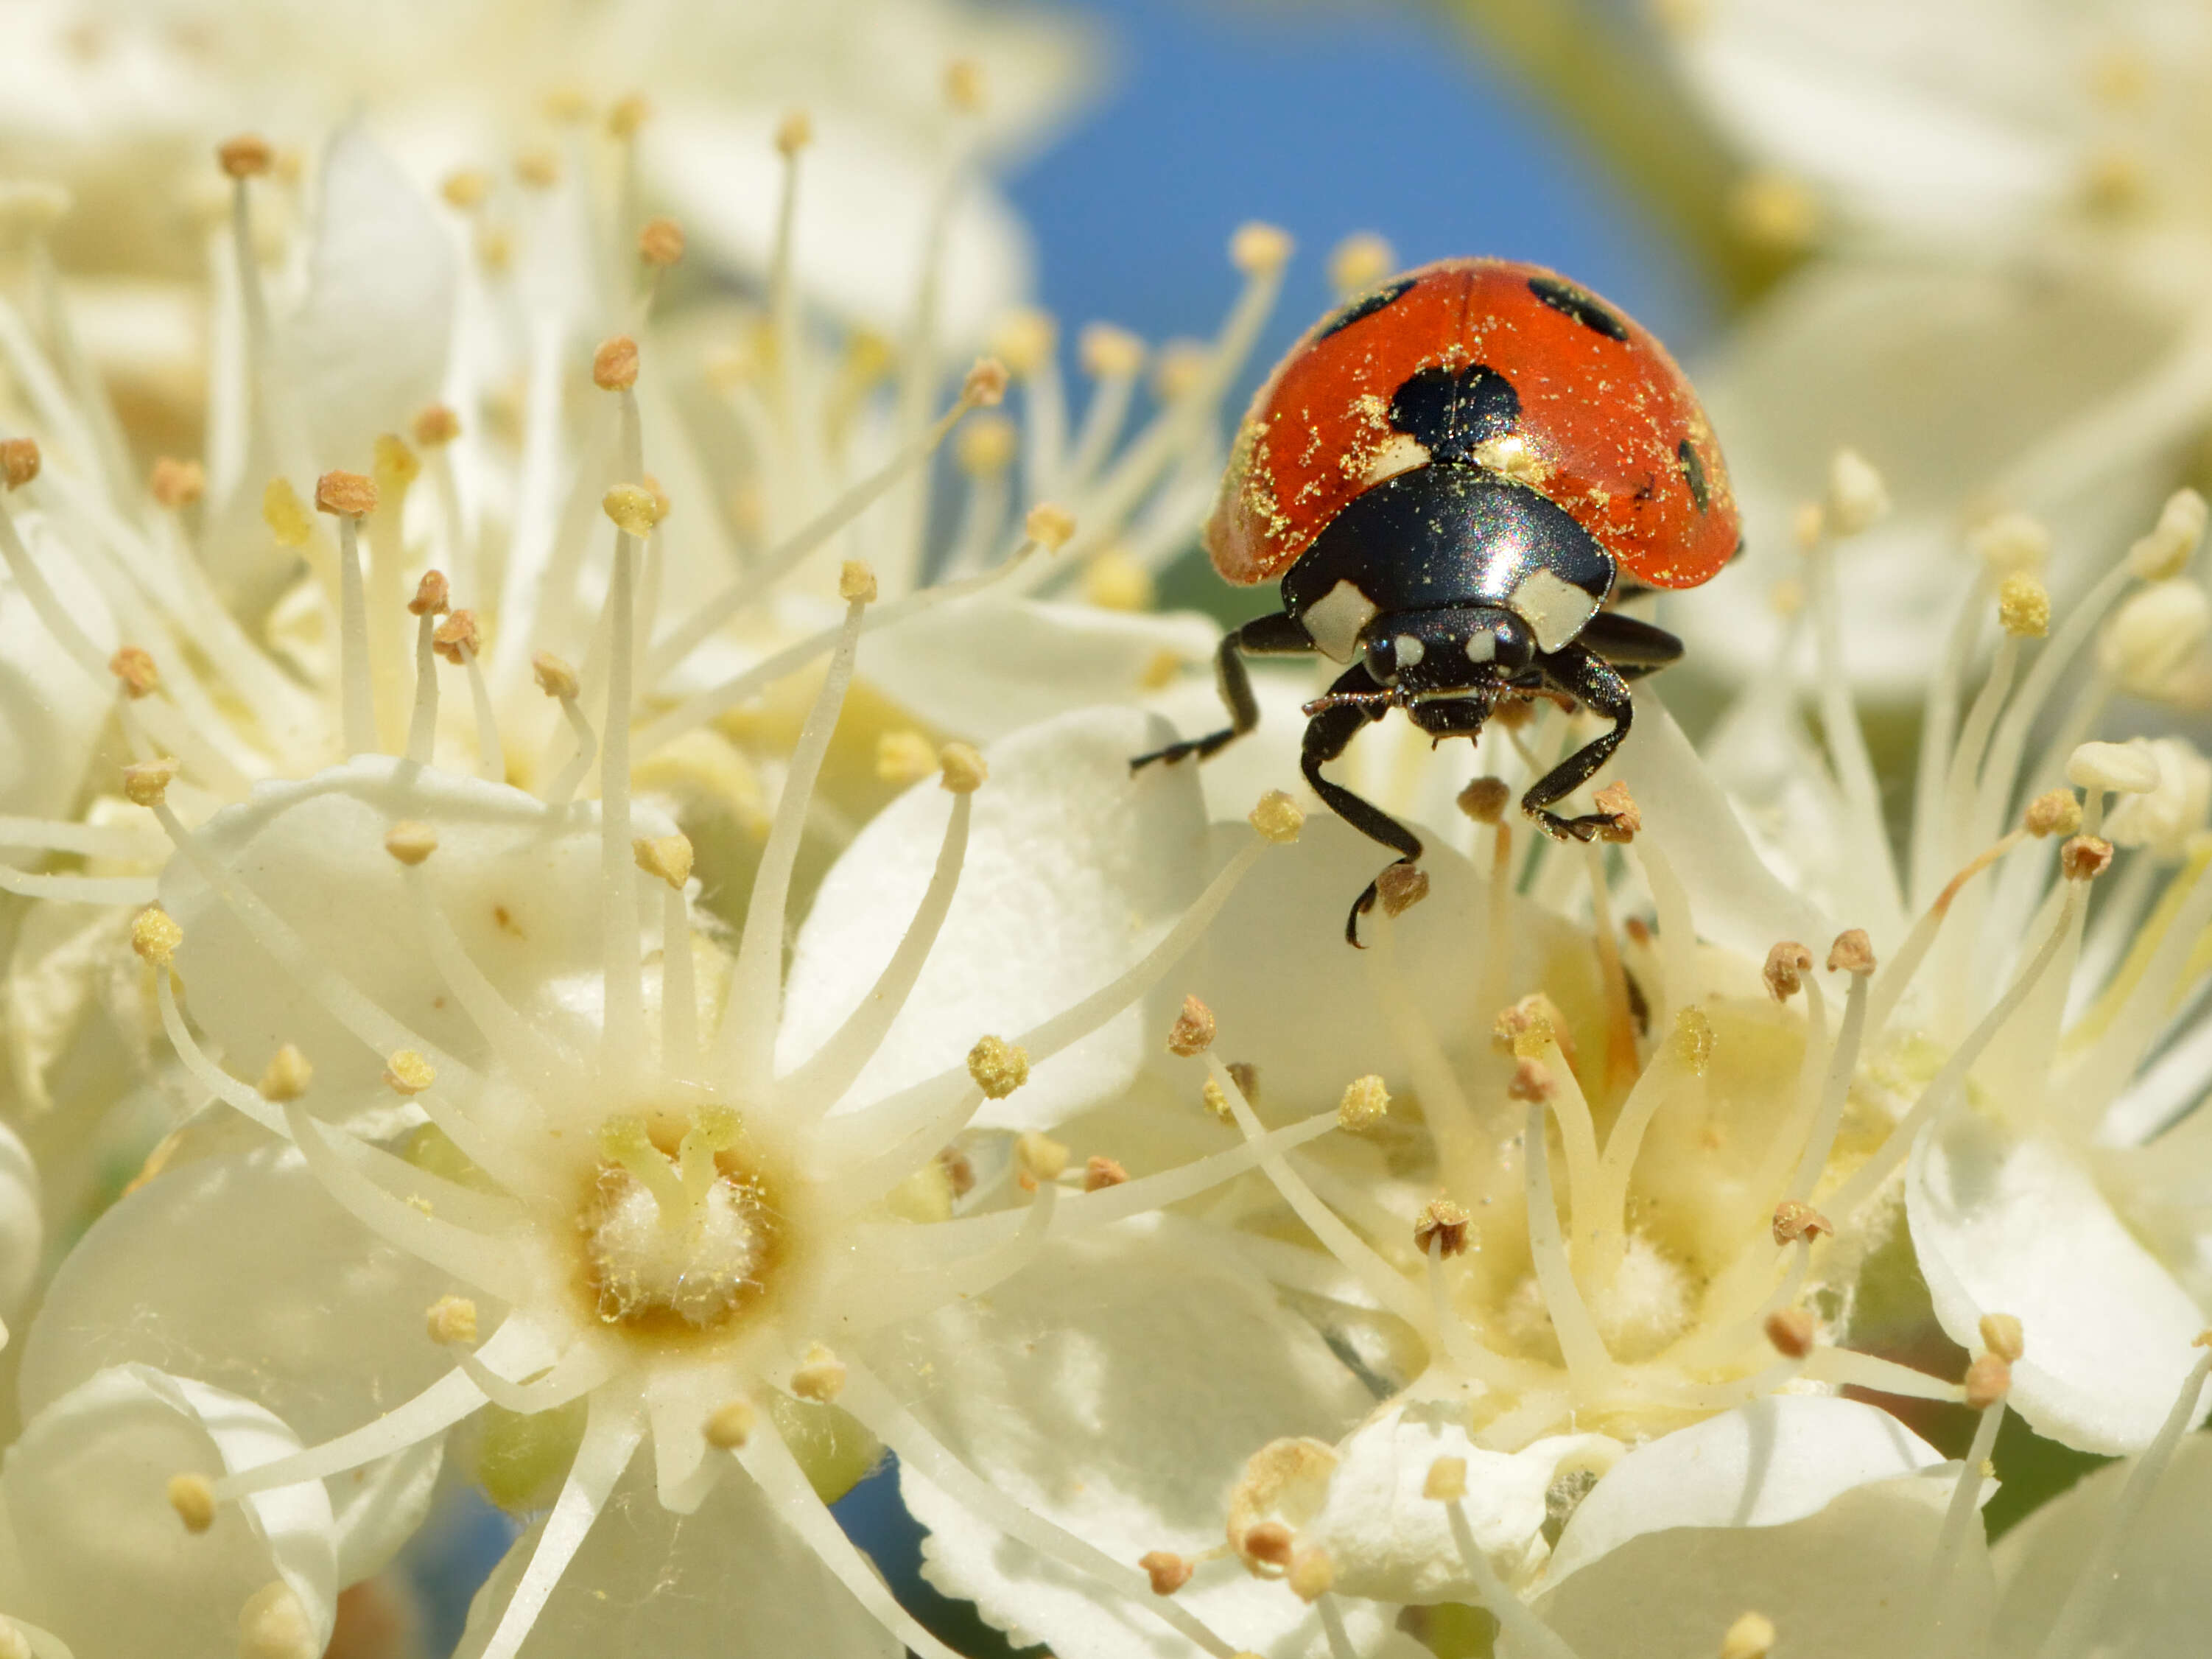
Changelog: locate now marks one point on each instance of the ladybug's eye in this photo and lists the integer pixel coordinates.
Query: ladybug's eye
(1383, 659)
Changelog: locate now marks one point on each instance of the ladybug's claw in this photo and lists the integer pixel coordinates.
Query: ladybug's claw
(1360, 906)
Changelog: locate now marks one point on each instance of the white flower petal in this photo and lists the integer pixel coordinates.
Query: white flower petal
(982, 667)
(240, 1271)
(730, 1579)
(1128, 1427)
(1389, 1541)
(2161, 1600)
(22, 1235)
(379, 1508)
(1073, 869)
(103, 1560)
(2014, 1224)
(1772, 1462)
(50, 710)
(1845, 1581)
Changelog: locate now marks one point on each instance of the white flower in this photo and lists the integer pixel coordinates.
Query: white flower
(22, 1234)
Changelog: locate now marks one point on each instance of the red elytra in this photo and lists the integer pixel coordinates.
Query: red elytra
(1609, 429)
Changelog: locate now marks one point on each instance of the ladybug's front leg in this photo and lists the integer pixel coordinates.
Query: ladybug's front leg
(1280, 635)
(1596, 684)
(1328, 734)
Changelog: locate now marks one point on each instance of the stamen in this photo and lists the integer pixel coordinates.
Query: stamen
(1580, 1346)
(1958, 1518)
(349, 497)
(1852, 955)
(714, 1129)
(625, 1143)
(557, 680)
(1528, 1633)
(618, 926)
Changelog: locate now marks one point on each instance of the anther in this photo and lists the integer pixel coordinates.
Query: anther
(2012, 543)
(1258, 249)
(661, 243)
(1109, 353)
(2003, 1336)
(434, 595)
(539, 168)
(1246, 1076)
(1193, 1031)
(1790, 1331)
(1100, 1172)
(19, 461)
(962, 769)
(1359, 262)
(146, 783)
(1216, 1101)
(288, 1076)
(1364, 1105)
(1312, 1573)
(1040, 1159)
(465, 188)
(1619, 805)
(668, 857)
(2117, 767)
(2024, 607)
(959, 1171)
(2057, 812)
(1752, 1637)
(997, 1068)
(435, 427)
(1050, 525)
(1113, 580)
(794, 132)
(1267, 1541)
(904, 756)
(2166, 552)
(1277, 817)
(613, 365)
(1857, 498)
(134, 667)
(2084, 858)
(1987, 1380)
(348, 495)
(1787, 964)
(820, 1375)
(1851, 953)
(1445, 1481)
(154, 935)
(1169, 1572)
(248, 155)
(406, 1072)
(280, 510)
(627, 114)
(451, 1319)
(730, 1425)
(1025, 340)
(554, 676)
(963, 85)
(987, 447)
(632, 509)
(985, 384)
(410, 841)
(1485, 800)
(458, 638)
(272, 1625)
(1795, 1220)
(856, 582)
(1693, 1041)
(1400, 887)
(1525, 1028)
(1772, 208)
(1532, 1081)
(176, 483)
(1441, 1225)
(1808, 524)
(193, 1499)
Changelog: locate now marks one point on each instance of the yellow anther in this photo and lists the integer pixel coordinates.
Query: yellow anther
(1359, 262)
(1485, 800)
(794, 132)
(1259, 249)
(155, 936)
(984, 385)
(905, 757)
(1851, 953)
(176, 483)
(407, 1073)
(856, 582)
(820, 1377)
(730, 1425)
(1693, 1041)
(1113, 580)
(668, 857)
(1752, 1637)
(193, 1499)
(1446, 1480)
(2003, 1336)
(283, 513)
(555, 677)
(963, 85)
(465, 188)
(450, 1319)
(1277, 817)
(288, 1076)
(2024, 606)
(997, 1068)
(963, 768)
(2057, 812)
(1025, 340)
(1109, 353)
(410, 841)
(1364, 1105)
(146, 783)
(987, 447)
(1050, 525)
(395, 465)
(631, 508)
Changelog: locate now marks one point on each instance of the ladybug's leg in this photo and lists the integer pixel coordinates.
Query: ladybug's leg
(1599, 687)
(1636, 648)
(1280, 635)
(1328, 734)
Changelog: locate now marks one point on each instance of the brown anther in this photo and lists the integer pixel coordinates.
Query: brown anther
(134, 666)
(458, 638)
(1617, 802)
(1400, 887)
(1268, 1542)
(348, 495)
(1485, 800)
(434, 595)
(450, 1319)
(2003, 1336)
(1101, 1172)
(193, 1499)
(1364, 1105)
(1987, 1380)
(856, 582)
(613, 365)
(985, 384)
(435, 427)
(1532, 1081)
(288, 1076)
(661, 243)
(1787, 964)
(997, 1068)
(1169, 1572)
(959, 1171)
(666, 857)
(555, 677)
(176, 483)
(1790, 1331)
(1441, 1225)
(2084, 858)
(1794, 1220)
(1851, 953)
(730, 1425)
(1193, 1031)
(410, 841)
(146, 783)
(248, 155)
(962, 768)
(2056, 813)
(19, 461)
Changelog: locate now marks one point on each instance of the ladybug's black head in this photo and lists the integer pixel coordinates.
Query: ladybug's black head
(1452, 651)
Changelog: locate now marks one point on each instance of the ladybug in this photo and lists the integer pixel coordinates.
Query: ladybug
(1456, 476)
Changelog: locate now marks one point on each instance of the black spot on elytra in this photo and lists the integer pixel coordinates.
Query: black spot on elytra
(1365, 306)
(1585, 308)
(1451, 411)
(1693, 474)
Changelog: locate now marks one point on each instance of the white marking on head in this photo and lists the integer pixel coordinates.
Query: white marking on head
(1334, 621)
(1410, 651)
(1555, 610)
(1482, 646)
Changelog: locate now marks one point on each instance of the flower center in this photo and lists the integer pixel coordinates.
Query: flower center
(678, 1239)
